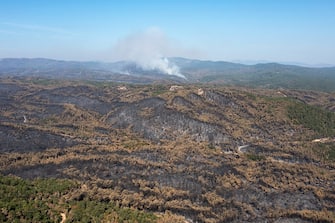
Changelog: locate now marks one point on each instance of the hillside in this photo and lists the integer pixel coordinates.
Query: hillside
(164, 153)
(268, 75)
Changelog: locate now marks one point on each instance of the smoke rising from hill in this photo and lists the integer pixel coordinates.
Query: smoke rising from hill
(150, 49)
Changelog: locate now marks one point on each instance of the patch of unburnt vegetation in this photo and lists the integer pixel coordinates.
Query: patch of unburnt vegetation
(46, 200)
(317, 119)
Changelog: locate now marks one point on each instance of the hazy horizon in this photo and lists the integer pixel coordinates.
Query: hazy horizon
(289, 32)
(244, 62)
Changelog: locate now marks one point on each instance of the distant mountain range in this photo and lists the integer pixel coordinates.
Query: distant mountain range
(267, 75)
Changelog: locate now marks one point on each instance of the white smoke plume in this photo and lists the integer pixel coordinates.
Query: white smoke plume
(149, 49)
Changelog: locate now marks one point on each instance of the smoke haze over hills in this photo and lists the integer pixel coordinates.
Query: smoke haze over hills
(150, 50)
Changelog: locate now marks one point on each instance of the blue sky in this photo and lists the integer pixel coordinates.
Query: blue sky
(247, 30)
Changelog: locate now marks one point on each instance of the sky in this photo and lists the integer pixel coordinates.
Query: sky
(289, 31)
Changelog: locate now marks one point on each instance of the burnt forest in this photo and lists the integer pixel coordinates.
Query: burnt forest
(99, 151)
